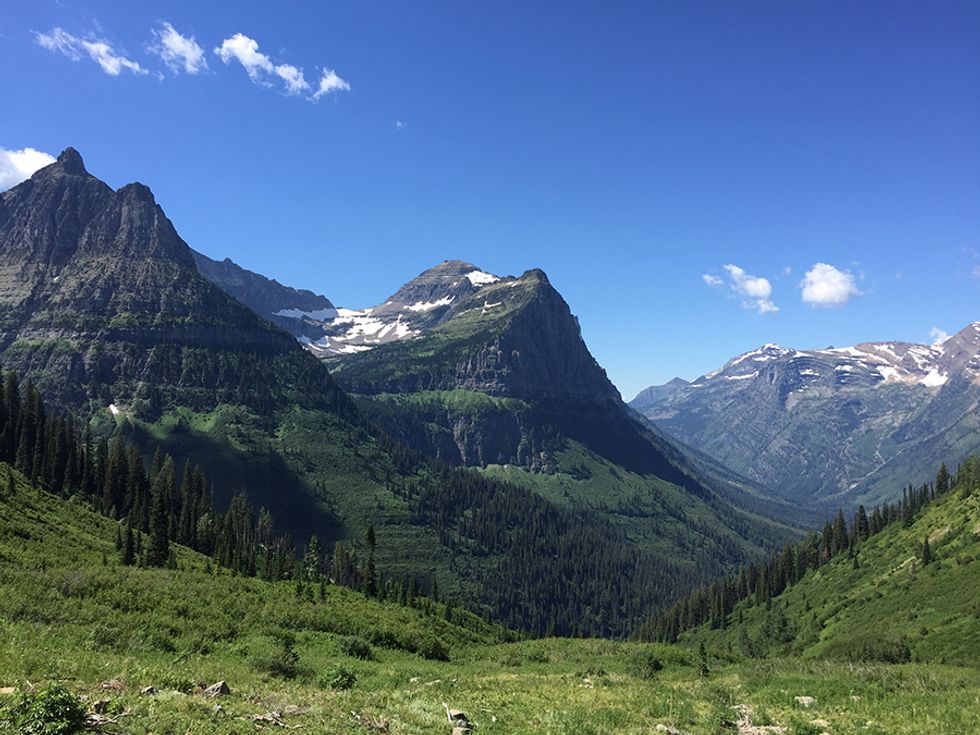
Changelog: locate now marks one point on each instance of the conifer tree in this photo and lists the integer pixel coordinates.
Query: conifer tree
(926, 551)
(702, 661)
(161, 491)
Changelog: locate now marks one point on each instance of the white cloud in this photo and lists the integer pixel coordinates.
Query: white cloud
(261, 69)
(99, 51)
(245, 50)
(400, 125)
(938, 336)
(330, 82)
(825, 285)
(975, 273)
(711, 280)
(755, 290)
(16, 166)
(179, 53)
(293, 78)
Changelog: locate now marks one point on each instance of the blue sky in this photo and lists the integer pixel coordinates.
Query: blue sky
(631, 150)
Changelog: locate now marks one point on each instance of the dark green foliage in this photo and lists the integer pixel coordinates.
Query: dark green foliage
(644, 663)
(433, 649)
(926, 552)
(50, 711)
(702, 661)
(278, 656)
(760, 583)
(357, 648)
(883, 651)
(338, 677)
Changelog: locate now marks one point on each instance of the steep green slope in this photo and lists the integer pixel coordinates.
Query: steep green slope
(884, 601)
(71, 617)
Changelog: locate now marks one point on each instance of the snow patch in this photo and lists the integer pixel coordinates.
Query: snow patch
(747, 376)
(889, 373)
(430, 305)
(934, 379)
(479, 278)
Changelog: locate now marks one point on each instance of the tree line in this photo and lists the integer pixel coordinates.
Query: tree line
(760, 582)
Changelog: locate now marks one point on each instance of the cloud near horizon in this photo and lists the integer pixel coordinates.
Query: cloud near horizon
(19, 165)
(826, 286)
(61, 41)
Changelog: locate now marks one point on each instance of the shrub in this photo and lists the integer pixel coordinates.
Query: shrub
(433, 649)
(278, 658)
(50, 711)
(884, 651)
(357, 648)
(643, 663)
(338, 677)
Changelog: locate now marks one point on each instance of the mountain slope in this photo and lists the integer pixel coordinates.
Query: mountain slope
(884, 600)
(833, 426)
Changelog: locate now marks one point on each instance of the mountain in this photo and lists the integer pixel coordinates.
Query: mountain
(103, 308)
(833, 426)
(300, 312)
(491, 372)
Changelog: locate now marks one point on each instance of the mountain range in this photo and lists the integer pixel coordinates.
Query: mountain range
(837, 426)
(111, 314)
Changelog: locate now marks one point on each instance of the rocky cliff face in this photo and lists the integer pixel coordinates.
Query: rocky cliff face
(300, 312)
(497, 373)
(831, 426)
(101, 301)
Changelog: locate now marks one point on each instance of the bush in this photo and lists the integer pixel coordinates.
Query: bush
(338, 677)
(884, 651)
(433, 649)
(50, 711)
(643, 664)
(357, 648)
(278, 658)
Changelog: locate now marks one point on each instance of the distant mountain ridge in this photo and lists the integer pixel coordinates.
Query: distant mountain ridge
(837, 425)
(300, 312)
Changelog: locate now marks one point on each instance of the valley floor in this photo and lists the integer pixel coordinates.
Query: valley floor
(548, 686)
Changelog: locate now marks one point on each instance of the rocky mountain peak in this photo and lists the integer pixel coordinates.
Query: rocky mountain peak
(70, 162)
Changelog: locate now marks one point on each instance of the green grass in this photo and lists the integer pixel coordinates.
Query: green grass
(885, 597)
(70, 615)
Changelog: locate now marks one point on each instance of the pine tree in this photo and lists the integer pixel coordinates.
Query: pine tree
(702, 661)
(129, 550)
(926, 551)
(162, 490)
(11, 485)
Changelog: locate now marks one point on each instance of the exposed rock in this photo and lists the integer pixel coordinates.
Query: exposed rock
(148, 691)
(217, 689)
(804, 701)
(814, 424)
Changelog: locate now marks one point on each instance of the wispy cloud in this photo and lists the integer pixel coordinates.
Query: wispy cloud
(330, 82)
(938, 336)
(16, 166)
(100, 51)
(180, 53)
(826, 286)
(754, 291)
(262, 70)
